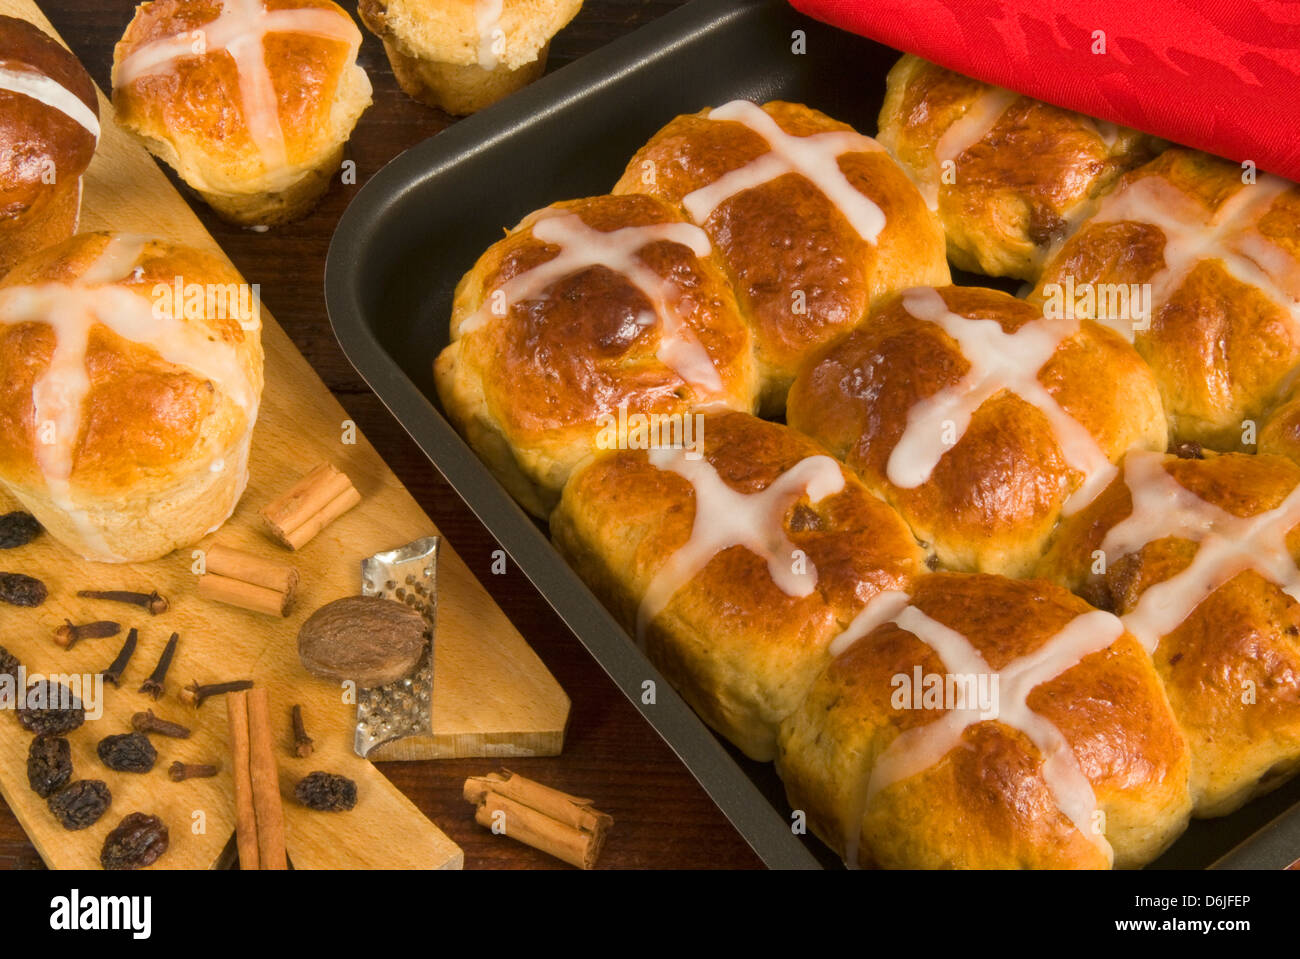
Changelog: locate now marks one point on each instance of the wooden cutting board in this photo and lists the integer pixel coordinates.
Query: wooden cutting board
(492, 695)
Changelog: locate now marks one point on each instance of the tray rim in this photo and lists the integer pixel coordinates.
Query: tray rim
(738, 797)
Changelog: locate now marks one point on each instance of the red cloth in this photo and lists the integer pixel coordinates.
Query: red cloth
(1219, 75)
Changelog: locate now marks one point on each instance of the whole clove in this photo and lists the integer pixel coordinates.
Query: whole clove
(179, 771)
(302, 743)
(194, 694)
(154, 684)
(114, 672)
(68, 635)
(152, 603)
(147, 722)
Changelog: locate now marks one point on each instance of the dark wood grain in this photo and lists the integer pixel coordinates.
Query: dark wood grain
(662, 817)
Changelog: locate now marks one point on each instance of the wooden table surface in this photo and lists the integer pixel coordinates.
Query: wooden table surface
(662, 817)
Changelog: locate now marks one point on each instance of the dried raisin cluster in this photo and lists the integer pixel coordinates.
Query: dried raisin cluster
(326, 792)
(50, 709)
(127, 752)
(80, 804)
(49, 765)
(18, 589)
(18, 529)
(137, 842)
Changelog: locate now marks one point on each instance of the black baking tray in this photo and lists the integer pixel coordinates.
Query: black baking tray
(420, 223)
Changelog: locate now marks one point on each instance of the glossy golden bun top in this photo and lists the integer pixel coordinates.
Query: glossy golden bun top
(588, 312)
(1199, 557)
(999, 485)
(102, 386)
(1220, 259)
(232, 108)
(989, 800)
(1021, 170)
(802, 271)
(856, 543)
(1240, 484)
(42, 141)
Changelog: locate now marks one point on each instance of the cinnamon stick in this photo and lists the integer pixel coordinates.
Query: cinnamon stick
(247, 568)
(245, 818)
(241, 579)
(232, 592)
(564, 826)
(266, 783)
(315, 501)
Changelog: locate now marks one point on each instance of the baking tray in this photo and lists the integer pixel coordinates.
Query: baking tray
(420, 223)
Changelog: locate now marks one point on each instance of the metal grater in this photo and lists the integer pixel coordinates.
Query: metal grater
(408, 574)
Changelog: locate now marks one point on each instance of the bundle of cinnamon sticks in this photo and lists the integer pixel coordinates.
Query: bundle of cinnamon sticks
(566, 827)
(259, 816)
(315, 501)
(250, 582)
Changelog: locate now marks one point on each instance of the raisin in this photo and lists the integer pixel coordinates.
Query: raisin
(803, 519)
(50, 708)
(137, 842)
(127, 752)
(18, 529)
(17, 589)
(326, 792)
(8, 663)
(49, 765)
(80, 804)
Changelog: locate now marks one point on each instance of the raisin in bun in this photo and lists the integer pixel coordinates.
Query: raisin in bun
(813, 221)
(1221, 262)
(1198, 558)
(1067, 755)
(588, 317)
(250, 101)
(463, 55)
(1007, 174)
(735, 568)
(125, 419)
(978, 419)
(49, 127)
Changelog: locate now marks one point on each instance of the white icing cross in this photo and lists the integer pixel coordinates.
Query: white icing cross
(969, 129)
(998, 361)
(725, 518)
(240, 30)
(1248, 256)
(917, 749)
(815, 157)
(59, 393)
(46, 90)
(1226, 545)
(581, 248)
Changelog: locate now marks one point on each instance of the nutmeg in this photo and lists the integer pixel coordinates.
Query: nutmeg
(368, 640)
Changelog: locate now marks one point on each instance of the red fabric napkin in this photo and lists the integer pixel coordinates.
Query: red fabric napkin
(1219, 75)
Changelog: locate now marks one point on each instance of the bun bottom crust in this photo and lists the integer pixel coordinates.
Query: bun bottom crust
(279, 207)
(456, 88)
(27, 234)
(146, 527)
